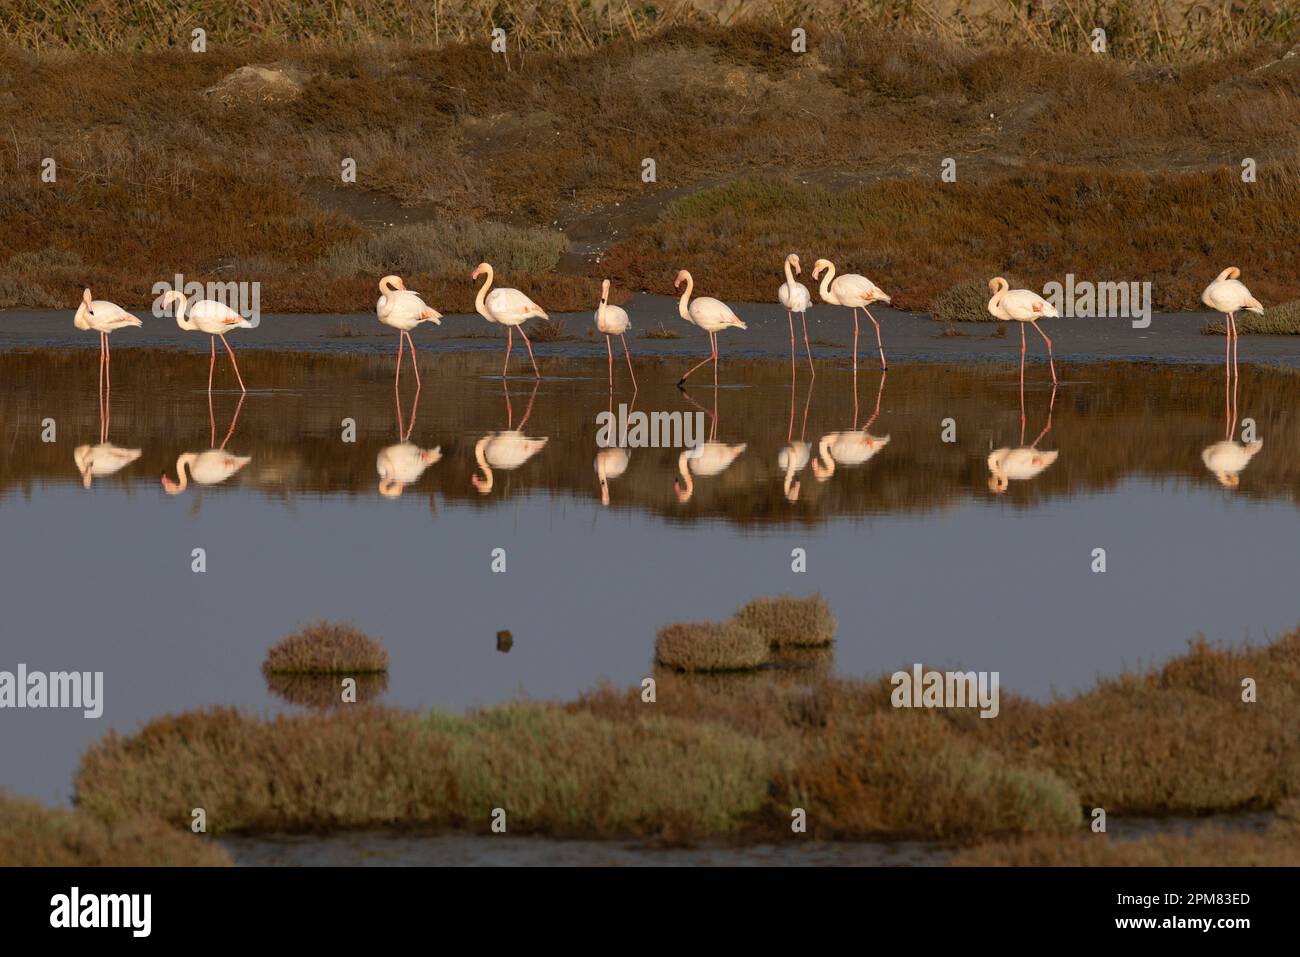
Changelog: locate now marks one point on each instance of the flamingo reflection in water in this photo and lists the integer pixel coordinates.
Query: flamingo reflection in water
(853, 447)
(404, 462)
(795, 454)
(103, 458)
(706, 460)
(1025, 462)
(612, 462)
(507, 450)
(213, 466)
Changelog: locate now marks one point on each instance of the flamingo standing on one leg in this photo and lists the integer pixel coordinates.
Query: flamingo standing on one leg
(711, 315)
(1022, 305)
(212, 317)
(403, 309)
(1229, 296)
(613, 321)
(510, 307)
(796, 298)
(104, 317)
(854, 292)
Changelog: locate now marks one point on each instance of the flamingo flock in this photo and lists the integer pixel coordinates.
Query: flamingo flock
(400, 308)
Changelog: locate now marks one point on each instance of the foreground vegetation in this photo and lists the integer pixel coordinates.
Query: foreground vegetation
(710, 760)
(1066, 160)
(36, 836)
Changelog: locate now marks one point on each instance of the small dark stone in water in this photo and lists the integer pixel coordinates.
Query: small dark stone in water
(505, 641)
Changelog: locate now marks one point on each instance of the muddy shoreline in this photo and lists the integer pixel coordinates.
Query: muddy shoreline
(908, 337)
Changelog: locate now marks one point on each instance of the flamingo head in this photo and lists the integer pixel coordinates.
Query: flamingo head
(80, 320)
(682, 494)
(391, 283)
(793, 494)
(604, 291)
(820, 472)
(793, 260)
(1232, 272)
(998, 483)
(390, 488)
(170, 487)
(171, 296)
(1228, 479)
(480, 268)
(682, 277)
(820, 266)
(996, 283)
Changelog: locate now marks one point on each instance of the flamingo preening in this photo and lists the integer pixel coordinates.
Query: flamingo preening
(613, 321)
(104, 317)
(507, 450)
(854, 292)
(404, 462)
(711, 315)
(403, 309)
(510, 308)
(1228, 295)
(1025, 462)
(795, 297)
(1022, 306)
(213, 318)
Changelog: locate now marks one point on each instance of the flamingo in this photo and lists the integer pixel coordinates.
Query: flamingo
(1229, 296)
(1226, 460)
(796, 298)
(854, 292)
(97, 461)
(795, 454)
(711, 315)
(1023, 463)
(104, 317)
(705, 460)
(213, 466)
(853, 447)
(613, 321)
(403, 309)
(610, 463)
(1022, 305)
(401, 465)
(503, 451)
(212, 317)
(510, 308)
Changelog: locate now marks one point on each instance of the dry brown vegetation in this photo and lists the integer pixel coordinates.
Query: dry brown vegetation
(32, 835)
(789, 622)
(1283, 320)
(735, 761)
(325, 647)
(324, 690)
(171, 161)
(709, 647)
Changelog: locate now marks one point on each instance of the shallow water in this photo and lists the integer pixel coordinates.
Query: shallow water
(919, 559)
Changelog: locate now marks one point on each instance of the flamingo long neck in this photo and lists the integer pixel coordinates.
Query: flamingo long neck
(824, 453)
(1000, 287)
(789, 274)
(685, 300)
(181, 305)
(604, 300)
(480, 299)
(683, 461)
(826, 281)
(183, 464)
(1232, 272)
(485, 484)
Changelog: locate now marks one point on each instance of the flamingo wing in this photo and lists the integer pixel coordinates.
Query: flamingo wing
(1024, 305)
(852, 289)
(512, 306)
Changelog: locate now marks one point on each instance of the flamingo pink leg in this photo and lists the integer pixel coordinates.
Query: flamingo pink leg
(713, 337)
(610, 350)
(529, 344)
(414, 365)
(1050, 361)
(1022, 383)
(397, 379)
(629, 361)
(510, 342)
(884, 366)
(790, 317)
(709, 358)
(232, 362)
(803, 317)
(855, 341)
(108, 364)
(212, 364)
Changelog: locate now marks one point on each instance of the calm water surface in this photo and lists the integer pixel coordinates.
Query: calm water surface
(919, 557)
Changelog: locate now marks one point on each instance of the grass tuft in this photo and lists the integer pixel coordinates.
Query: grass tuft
(790, 622)
(1283, 320)
(710, 647)
(326, 648)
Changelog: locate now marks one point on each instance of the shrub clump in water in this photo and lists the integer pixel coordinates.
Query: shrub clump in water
(710, 647)
(787, 622)
(326, 648)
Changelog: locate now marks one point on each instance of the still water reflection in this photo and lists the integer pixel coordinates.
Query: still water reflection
(324, 494)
